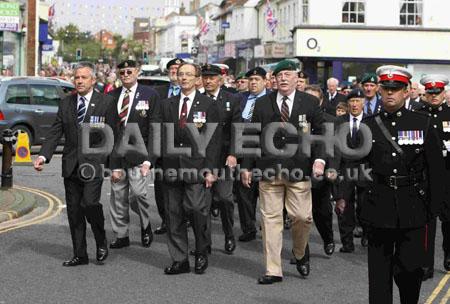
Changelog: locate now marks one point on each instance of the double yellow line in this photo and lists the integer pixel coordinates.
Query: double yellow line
(54, 208)
(438, 289)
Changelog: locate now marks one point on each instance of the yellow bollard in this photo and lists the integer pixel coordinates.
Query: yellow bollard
(23, 156)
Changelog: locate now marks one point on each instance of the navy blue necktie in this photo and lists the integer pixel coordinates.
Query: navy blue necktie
(81, 112)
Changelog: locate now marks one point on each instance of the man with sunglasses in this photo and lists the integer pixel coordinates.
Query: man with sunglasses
(439, 113)
(134, 105)
(404, 190)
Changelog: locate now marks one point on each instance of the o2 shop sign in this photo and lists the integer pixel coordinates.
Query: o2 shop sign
(313, 44)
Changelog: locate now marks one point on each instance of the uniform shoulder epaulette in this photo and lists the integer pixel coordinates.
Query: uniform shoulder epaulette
(419, 112)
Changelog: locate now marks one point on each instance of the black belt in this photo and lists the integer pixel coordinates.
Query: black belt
(395, 181)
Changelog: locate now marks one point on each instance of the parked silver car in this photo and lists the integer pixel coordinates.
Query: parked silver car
(29, 104)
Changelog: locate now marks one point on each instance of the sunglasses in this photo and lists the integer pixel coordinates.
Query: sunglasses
(128, 72)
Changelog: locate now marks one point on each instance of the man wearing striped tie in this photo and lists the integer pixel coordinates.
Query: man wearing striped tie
(288, 108)
(134, 104)
(82, 174)
(247, 197)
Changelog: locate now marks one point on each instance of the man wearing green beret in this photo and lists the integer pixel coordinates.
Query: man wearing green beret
(372, 103)
(242, 83)
(294, 109)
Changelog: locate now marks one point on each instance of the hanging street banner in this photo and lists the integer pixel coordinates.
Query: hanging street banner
(9, 16)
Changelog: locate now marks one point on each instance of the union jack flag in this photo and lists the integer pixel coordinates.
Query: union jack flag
(272, 22)
(204, 26)
(51, 12)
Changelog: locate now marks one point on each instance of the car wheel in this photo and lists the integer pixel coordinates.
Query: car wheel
(22, 129)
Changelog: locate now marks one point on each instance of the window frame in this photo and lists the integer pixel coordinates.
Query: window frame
(27, 87)
(34, 98)
(356, 11)
(415, 14)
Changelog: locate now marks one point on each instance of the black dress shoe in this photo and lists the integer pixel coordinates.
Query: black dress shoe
(268, 279)
(178, 267)
(161, 229)
(428, 273)
(201, 263)
(102, 253)
(147, 236)
(329, 248)
(347, 249)
(230, 245)
(215, 212)
(75, 261)
(358, 232)
(247, 237)
(120, 243)
(447, 261)
(364, 241)
(303, 264)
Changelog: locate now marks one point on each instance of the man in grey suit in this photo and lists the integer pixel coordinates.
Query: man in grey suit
(82, 173)
(133, 104)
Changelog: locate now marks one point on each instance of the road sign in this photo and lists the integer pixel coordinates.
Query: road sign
(225, 25)
(78, 54)
(23, 149)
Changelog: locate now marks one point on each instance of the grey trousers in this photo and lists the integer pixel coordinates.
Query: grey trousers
(131, 191)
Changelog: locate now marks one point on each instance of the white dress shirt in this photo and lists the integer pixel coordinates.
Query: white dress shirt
(130, 104)
(87, 99)
(189, 103)
(358, 121)
(289, 101)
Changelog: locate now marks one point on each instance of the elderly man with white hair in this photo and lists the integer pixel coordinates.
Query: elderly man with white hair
(332, 97)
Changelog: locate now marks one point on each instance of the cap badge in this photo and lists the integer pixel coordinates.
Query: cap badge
(125, 64)
(433, 83)
(177, 61)
(390, 76)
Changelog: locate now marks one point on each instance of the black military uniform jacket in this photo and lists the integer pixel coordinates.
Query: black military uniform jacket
(228, 105)
(440, 120)
(168, 112)
(407, 189)
(267, 111)
(97, 115)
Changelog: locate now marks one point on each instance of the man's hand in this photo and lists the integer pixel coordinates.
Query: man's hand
(231, 161)
(340, 206)
(145, 168)
(332, 175)
(246, 177)
(116, 176)
(39, 164)
(209, 180)
(318, 169)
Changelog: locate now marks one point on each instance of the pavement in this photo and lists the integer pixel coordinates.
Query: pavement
(31, 253)
(15, 203)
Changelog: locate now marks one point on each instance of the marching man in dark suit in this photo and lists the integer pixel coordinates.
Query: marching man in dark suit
(372, 103)
(286, 106)
(439, 113)
(188, 195)
(332, 96)
(247, 197)
(405, 192)
(228, 106)
(83, 176)
(133, 104)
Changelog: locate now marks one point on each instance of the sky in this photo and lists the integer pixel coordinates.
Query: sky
(112, 15)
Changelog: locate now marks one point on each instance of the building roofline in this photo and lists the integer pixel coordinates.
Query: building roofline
(370, 28)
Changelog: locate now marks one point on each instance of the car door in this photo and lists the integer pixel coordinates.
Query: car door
(45, 99)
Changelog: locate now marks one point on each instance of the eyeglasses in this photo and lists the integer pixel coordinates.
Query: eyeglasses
(128, 72)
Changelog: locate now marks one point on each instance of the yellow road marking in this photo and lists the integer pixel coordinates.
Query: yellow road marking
(48, 214)
(446, 297)
(438, 289)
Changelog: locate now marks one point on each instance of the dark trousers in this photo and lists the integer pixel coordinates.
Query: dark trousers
(183, 200)
(247, 199)
(397, 254)
(430, 240)
(83, 203)
(159, 198)
(222, 195)
(323, 211)
(348, 219)
(446, 237)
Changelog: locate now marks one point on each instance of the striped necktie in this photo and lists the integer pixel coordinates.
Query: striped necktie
(369, 109)
(124, 110)
(81, 112)
(252, 100)
(184, 113)
(284, 110)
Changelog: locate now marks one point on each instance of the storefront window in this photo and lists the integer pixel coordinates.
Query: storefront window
(411, 12)
(353, 12)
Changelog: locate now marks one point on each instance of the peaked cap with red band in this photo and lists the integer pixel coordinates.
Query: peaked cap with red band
(434, 83)
(392, 76)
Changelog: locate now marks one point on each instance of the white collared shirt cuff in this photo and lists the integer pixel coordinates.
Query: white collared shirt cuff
(147, 163)
(43, 158)
(320, 161)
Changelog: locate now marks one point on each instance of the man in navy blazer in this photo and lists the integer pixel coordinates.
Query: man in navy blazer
(134, 104)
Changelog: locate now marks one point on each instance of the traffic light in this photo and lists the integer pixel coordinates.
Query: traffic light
(78, 54)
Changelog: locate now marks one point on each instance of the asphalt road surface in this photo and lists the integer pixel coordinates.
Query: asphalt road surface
(31, 271)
